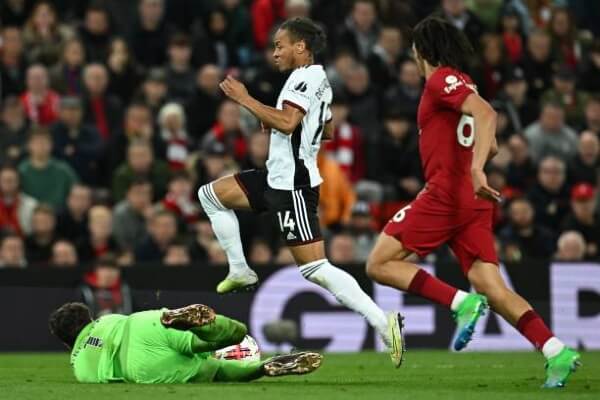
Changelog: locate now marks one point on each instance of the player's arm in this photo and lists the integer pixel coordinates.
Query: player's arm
(485, 136)
(284, 121)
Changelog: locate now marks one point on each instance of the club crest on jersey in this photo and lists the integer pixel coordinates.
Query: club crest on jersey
(301, 87)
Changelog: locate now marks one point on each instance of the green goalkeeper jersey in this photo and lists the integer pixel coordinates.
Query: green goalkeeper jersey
(95, 356)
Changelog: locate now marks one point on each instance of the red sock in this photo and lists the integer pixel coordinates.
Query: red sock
(532, 326)
(432, 288)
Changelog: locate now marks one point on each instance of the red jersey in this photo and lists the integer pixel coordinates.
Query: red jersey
(446, 139)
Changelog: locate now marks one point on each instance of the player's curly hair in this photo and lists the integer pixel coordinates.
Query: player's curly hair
(308, 31)
(68, 320)
(441, 44)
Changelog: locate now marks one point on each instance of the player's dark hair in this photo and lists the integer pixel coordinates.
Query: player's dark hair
(67, 321)
(304, 29)
(441, 44)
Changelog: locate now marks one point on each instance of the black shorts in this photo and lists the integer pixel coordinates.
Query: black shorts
(295, 212)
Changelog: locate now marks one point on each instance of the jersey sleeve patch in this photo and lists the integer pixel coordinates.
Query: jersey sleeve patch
(451, 90)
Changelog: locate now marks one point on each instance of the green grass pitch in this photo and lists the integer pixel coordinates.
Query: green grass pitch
(426, 375)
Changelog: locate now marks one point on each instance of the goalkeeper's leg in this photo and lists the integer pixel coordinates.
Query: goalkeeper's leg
(212, 331)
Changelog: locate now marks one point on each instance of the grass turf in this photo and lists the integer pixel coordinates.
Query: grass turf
(425, 375)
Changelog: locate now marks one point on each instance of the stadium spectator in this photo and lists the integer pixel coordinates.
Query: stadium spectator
(265, 14)
(207, 97)
(512, 34)
(239, 29)
(522, 239)
(72, 220)
(38, 244)
(336, 194)
(386, 56)
(264, 79)
(12, 252)
(104, 291)
(14, 128)
(585, 167)
(362, 227)
(258, 151)
(44, 36)
(520, 109)
(564, 92)
(179, 69)
(75, 143)
(150, 34)
(398, 160)
(339, 67)
(550, 136)
(44, 178)
(173, 132)
(360, 30)
(162, 233)
(125, 73)
(490, 73)
(177, 255)
(592, 115)
(64, 255)
(141, 163)
(102, 109)
(549, 196)
(153, 90)
(40, 103)
(407, 92)
(132, 213)
(12, 62)
(95, 33)
(538, 63)
(138, 126)
(16, 208)
(363, 101)
(100, 241)
(590, 75)
(14, 13)
(297, 8)
(228, 130)
(202, 237)
(521, 171)
(180, 199)
(567, 44)
(260, 253)
(342, 249)
(215, 45)
(346, 145)
(457, 13)
(214, 163)
(571, 247)
(66, 77)
(584, 218)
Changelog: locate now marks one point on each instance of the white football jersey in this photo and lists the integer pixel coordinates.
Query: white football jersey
(292, 159)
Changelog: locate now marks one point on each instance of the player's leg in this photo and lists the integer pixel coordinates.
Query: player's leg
(296, 214)
(212, 331)
(561, 360)
(219, 199)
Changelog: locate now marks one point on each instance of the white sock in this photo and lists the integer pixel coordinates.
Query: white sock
(347, 291)
(226, 227)
(458, 298)
(552, 347)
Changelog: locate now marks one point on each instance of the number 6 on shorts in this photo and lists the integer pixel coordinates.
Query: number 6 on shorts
(399, 216)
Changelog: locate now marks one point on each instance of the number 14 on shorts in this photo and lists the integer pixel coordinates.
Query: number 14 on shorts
(286, 221)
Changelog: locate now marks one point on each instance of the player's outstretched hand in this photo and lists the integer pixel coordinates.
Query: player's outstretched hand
(482, 189)
(233, 89)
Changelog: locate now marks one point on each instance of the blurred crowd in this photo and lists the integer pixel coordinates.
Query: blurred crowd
(111, 118)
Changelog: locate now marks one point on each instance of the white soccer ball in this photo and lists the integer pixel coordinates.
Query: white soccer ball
(246, 350)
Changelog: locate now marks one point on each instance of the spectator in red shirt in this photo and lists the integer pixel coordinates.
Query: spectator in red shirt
(16, 208)
(173, 130)
(346, 146)
(41, 104)
(512, 35)
(265, 13)
(227, 130)
(179, 199)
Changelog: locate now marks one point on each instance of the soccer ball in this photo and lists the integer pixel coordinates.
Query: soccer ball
(246, 350)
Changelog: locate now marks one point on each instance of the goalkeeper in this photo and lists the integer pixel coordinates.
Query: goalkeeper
(163, 346)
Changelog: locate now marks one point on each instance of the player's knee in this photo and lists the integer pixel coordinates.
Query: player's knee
(208, 199)
(373, 269)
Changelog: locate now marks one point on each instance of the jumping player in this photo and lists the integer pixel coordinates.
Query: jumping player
(457, 137)
(289, 187)
(163, 346)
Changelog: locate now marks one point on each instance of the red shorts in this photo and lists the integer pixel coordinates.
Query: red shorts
(426, 224)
